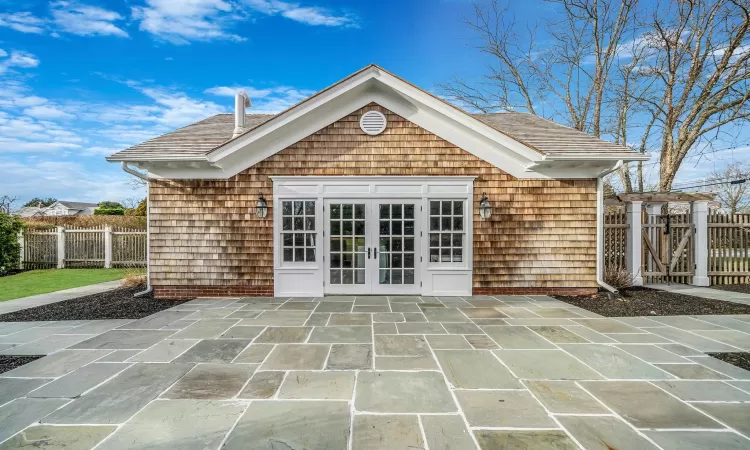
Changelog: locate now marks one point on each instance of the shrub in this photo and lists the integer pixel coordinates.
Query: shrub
(130, 222)
(618, 278)
(109, 212)
(139, 210)
(10, 250)
(134, 276)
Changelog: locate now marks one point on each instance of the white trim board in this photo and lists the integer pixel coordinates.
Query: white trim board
(374, 85)
(306, 279)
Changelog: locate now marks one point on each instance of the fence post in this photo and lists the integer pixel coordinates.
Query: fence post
(21, 249)
(60, 247)
(107, 247)
(700, 240)
(634, 252)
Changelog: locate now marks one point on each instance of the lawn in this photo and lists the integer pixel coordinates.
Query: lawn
(36, 282)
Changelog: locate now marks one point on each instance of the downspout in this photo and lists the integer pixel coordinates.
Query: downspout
(600, 227)
(140, 175)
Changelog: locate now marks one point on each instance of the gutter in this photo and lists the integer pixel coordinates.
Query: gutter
(144, 177)
(600, 227)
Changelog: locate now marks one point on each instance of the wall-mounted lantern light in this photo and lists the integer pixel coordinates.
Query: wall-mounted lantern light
(485, 208)
(262, 206)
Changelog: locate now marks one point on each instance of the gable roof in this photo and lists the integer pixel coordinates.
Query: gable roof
(523, 145)
(200, 138)
(76, 205)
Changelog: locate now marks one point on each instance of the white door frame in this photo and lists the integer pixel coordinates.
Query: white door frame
(309, 279)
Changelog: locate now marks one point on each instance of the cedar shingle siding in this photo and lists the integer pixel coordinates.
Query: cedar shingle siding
(206, 239)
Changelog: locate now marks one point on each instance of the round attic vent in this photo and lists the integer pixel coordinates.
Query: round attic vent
(372, 122)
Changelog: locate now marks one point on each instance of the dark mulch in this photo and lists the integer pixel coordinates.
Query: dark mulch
(8, 363)
(115, 304)
(742, 288)
(640, 301)
(740, 359)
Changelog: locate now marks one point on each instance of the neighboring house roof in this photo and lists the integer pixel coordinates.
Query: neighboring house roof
(75, 205)
(29, 211)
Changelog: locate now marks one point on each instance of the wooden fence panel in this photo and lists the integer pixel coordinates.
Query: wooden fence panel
(84, 247)
(728, 248)
(615, 238)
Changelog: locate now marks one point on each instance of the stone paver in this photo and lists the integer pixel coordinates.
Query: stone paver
(525, 440)
(697, 440)
(403, 392)
(118, 399)
(545, 365)
(565, 397)
(350, 357)
(213, 351)
(377, 372)
(211, 382)
(507, 409)
(79, 381)
(262, 385)
(58, 438)
(184, 424)
(379, 432)
(317, 385)
(23, 412)
(646, 406)
(290, 424)
(604, 432)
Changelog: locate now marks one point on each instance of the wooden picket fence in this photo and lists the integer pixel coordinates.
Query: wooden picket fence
(729, 248)
(70, 247)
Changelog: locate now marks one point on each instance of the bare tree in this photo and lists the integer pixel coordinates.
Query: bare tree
(701, 64)
(733, 196)
(6, 203)
(670, 77)
(131, 202)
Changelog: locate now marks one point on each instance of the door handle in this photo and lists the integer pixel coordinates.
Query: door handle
(368, 252)
(376, 252)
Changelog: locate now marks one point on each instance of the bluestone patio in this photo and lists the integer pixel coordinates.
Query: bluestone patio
(377, 372)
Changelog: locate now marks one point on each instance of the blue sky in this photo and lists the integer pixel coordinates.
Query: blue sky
(81, 80)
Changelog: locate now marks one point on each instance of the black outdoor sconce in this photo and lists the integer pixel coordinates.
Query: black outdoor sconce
(485, 208)
(261, 209)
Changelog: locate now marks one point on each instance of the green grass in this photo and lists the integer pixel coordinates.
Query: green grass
(36, 282)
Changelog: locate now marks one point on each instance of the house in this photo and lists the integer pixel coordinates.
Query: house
(374, 186)
(59, 208)
(66, 208)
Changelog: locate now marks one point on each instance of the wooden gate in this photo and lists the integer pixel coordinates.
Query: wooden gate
(668, 251)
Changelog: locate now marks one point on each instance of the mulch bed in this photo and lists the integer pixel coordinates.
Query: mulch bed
(115, 304)
(8, 363)
(639, 301)
(742, 288)
(740, 359)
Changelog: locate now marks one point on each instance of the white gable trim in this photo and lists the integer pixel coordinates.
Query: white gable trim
(373, 85)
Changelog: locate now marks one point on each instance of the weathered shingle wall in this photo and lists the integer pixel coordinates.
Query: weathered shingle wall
(206, 237)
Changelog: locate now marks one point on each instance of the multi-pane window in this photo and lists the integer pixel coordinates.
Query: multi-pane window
(298, 230)
(396, 243)
(447, 231)
(347, 221)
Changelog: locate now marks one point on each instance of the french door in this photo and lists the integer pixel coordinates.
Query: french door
(372, 246)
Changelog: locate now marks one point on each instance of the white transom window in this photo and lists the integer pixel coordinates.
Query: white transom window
(298, 230)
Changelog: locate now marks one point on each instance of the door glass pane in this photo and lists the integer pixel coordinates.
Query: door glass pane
(397, 253)
(347, 249)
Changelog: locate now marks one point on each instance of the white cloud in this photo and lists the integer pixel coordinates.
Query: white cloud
(46, 112)
(191, 20)
(310, 15)
(86, 20)
(265, 101)
(25, 22)
(18, 58)
(100, 151)
(3, 53)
